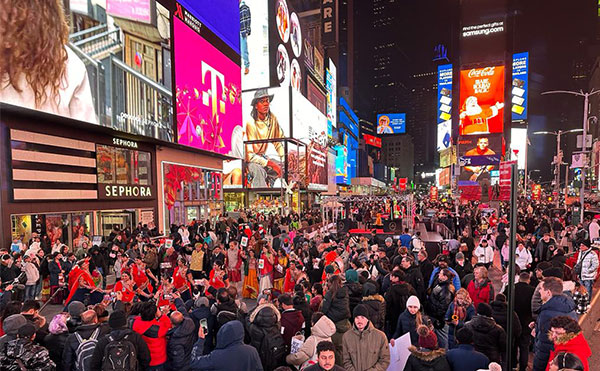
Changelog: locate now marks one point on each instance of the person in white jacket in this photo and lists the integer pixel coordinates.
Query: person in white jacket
(594, 229)
(33, 275)
(588, 259)
(484, 253)
(523, 257)
(322, 329)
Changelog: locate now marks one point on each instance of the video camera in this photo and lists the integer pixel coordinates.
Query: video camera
(18, 283)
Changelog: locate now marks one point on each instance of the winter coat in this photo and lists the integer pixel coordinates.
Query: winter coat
(395, 302)
(573, 343)
(291, 323)
(323, 330)
(336, 308)
(465, 358)
(463, 270)
(69, 357)
(32, 272)
(407, 323)
(426, 359)
(470, 313)
(376, 306)
(589, 267)
(439, 301)
(426, 268)
(355, 294)
(55, 343)
(154, 334)
(434, 276)
(263, 321)
(31, 355)
(488, 337)
(180, 342)
(481, 293)
(499, 313)
(302, 305)
(414, 278)
(204, 313)
(558, 305)
(523, 295)
(230, 353)
(142, 351)
(366, 350)
(54, 272)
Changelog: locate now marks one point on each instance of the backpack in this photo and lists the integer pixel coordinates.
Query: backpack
(119, 355)
(578, 267)
(85, 350)
(272, 350)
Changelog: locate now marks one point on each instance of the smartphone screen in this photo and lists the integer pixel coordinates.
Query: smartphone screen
(204, 325)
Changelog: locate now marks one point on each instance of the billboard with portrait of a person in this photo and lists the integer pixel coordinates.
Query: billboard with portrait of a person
(481, 100)
(254, 43)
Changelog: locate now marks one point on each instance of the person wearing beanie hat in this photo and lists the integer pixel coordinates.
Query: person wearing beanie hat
(11, 326)
(489, 338)
(427, 356)
(351, 275)
(464, 357)
(409, 320)
(500, 314)
(355, 289)
(396, 297)
(364, 346)
(23, 353)
(118, 331)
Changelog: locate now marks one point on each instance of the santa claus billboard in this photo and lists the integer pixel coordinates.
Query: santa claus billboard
(481, 100)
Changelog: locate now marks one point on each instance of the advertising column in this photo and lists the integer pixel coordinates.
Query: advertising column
(444, 107)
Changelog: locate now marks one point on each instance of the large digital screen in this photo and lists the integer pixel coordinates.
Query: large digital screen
(518, 146)
(310, 127)
(341, 164)
(232, 174)
(331, 85)
(391, 123)
(444, 104)
(266, 115)
(444, 135)
(135, 98)
(254, 43)
(520, 86)
(208, 83)
(482, 100)
(480, 149)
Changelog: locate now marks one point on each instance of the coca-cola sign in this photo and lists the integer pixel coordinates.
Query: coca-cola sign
(482, 72)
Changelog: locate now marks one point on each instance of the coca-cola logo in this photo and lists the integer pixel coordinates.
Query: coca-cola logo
(481, 72)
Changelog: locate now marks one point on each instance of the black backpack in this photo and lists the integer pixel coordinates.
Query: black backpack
(119, 355)
(272, 350)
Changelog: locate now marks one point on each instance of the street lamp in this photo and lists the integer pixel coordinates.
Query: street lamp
(586, 97)
(559, 156)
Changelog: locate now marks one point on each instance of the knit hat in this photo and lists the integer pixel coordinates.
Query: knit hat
(369, 289)
(76, 308)
(117, 319)
(389, 239)
(361, 310)
(413, 301)
(427, 338)
(329, 269)
(460, 256)
(501, 297)
(553, 272)
(351, 275)
(201, 301)
(26, 331)
(13, 323)
(484, 309)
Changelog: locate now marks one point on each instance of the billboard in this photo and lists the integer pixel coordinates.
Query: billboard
(310, 127)
(254, 43)
(208, 83)
(232, 174)
(372, 140)
(477, 175)
(391, 123)
(480, 149)
(481, 100)
(448, 157)
(266, 115)
(135, 98)
(444, 135)
(520, 86)
(352, 146)
(444, 109)
(341, 164)
(518, 146)
(331, 85)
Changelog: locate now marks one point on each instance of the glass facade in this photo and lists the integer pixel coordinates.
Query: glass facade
(123, 166)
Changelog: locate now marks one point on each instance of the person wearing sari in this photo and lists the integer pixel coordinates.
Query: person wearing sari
(82, 284)
(181, 281)
(265, 266)
(216, 278)
(126, 286)
(233, 262)
(250, 290)
(279, 272)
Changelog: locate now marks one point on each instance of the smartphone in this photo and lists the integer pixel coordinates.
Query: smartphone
(204, 325)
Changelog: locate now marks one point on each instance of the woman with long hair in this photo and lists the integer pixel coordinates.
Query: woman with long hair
(37, 70)
(336, 306)
(409, 321)
(460, 311)
(250, 290)
(81, 283)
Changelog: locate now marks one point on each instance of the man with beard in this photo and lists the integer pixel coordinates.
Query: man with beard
(443, 264)
(470, 242)
(474, 118)
(542, 250)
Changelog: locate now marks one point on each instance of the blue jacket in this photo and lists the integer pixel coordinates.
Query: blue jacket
(230, 353)
(405, 240)
(465, 358)
(455, 280)
(407, 323)
(559, 305)
(451, 328)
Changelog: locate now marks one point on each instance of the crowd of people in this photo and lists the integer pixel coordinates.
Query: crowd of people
(266, 292)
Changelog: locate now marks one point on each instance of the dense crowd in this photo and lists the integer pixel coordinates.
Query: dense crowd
(266, 292)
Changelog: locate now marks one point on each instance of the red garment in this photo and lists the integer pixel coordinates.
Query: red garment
(289, 282)
(480, 294)
(73, 286)
(179, 281)
(154, 334)
(215, 281)
(575, 344)
(268, 267)
(128, 295)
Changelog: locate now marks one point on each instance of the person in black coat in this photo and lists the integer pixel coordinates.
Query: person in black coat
(425, 265)
(462, 266)
(413, 276)
(395, 299)
(55, 341)
(409, 320)
(263, 321)
(500, 315)
(523, 294)
(428, 355)
(89, 326)
(300, 303)
(489, 338)
(180, 338)
(440, 298)
(355, 289)
(376, 305)
(201, 310)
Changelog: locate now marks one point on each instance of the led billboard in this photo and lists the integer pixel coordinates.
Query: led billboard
(481, 100)
(391, 123)
(208, 82)
(444, 107)
(518, 146)
(341, 163)
(520, 86)
(444, 135)
(331, 85)
(480, 149)
(254, 44)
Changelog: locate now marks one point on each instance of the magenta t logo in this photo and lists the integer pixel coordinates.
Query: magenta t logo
(217, 79)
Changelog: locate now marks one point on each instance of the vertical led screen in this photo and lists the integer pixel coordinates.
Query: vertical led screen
(444, 107)
(254, 43)
(341, 162)
(520, 85)
(518, 146)
(331, 84)
(482, 100)
(208, 83)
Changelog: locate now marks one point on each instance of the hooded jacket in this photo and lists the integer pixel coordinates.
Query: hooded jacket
(376, 306)
(488, 337)
(230, 353)
(395, 301)
(291, 323)
(180, 343)
(426, 359)
(573, 343)
(465, 358)
(366, 350)
(337, 308)
(414, 278)
(154, 334)
(499, 313)
(262, 322)
(323, 330)
(355, 295)
(558, 305)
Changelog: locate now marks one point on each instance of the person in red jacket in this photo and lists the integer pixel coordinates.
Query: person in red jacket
(153, 325)
(566, 335)
(292, 320)
(480, 289)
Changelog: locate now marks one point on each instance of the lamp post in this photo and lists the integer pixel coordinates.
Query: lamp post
(559, 157)
(586, 97)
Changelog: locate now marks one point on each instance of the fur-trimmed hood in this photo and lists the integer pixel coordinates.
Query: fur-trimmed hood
(563, 339)
(376, 297)
(426, 355)
(262, 308)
